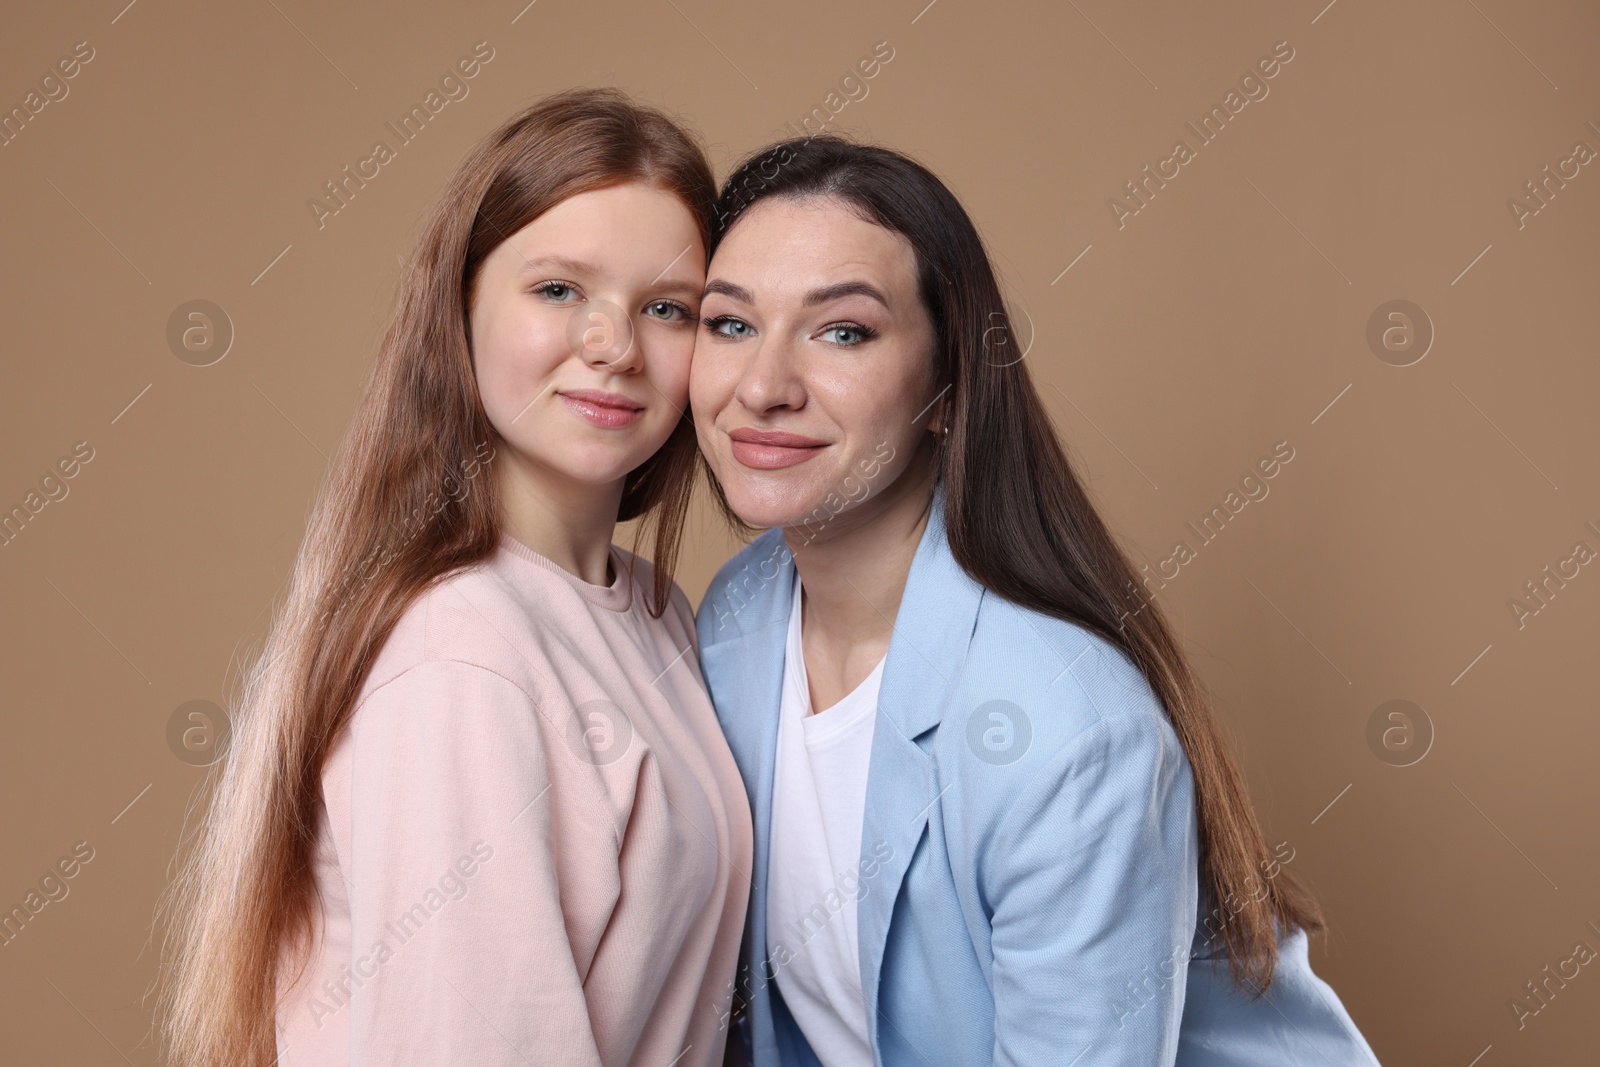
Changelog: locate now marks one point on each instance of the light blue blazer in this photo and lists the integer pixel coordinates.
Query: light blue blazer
(1029, 886)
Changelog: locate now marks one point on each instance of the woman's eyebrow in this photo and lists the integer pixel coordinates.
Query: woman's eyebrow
(813, 298)
(737, 292)
(834, 292)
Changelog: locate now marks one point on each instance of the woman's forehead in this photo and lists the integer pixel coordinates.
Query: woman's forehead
(799, 246)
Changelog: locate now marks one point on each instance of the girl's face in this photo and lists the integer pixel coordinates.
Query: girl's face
(813, 370)
(582, 326)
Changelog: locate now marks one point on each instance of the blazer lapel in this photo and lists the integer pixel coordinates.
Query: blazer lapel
(926, 651)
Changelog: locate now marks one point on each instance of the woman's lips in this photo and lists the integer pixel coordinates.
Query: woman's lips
(608, 411)
(770, 450)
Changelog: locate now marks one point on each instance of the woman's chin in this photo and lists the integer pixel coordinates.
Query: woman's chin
(760, 503)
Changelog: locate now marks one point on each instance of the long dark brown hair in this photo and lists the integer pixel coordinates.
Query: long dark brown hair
(407, 501)
(1018, 519)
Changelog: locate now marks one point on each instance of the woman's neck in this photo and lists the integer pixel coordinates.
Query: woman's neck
(854, 572)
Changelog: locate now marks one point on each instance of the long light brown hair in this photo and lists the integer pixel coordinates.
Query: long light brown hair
(1019, 520)
(406, 502)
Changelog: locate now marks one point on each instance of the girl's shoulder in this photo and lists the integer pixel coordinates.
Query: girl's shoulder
(469, 615)
(679, 615)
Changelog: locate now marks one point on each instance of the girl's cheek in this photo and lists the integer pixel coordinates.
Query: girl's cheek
(670, 366)
(544, 342)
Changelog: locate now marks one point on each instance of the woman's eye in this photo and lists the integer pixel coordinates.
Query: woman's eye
(846, 336)
(667, 311)
(557, 291)
(728, 326)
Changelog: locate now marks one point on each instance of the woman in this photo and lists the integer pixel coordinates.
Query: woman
(995, 818)
(477, 808)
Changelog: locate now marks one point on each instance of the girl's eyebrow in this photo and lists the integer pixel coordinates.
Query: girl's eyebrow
(571, 266)
(679, 288)
(583, 269)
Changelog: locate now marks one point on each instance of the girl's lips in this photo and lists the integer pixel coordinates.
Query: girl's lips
(608, 411)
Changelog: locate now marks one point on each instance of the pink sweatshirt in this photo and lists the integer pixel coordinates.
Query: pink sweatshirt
(535, 845)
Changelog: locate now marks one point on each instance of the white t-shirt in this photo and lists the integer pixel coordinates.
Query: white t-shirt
(814, 877)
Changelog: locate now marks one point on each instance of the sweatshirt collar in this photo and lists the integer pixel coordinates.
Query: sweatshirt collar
(618, 596)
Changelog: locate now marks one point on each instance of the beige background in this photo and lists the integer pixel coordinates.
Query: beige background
(1228, 315)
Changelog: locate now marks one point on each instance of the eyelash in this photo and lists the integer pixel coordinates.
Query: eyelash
(867, 333)
(719, 320)
(684, 309)
(545, 287)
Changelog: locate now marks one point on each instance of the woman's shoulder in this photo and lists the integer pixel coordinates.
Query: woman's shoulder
(743, 594)
(1053, 736)
(1039, 647)
(764, 554)
(1067, 687)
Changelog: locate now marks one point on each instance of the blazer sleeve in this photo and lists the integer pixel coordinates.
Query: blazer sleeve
(1094, 886)
(459, 949)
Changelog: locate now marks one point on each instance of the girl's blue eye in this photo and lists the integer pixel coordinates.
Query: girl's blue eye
(556, 291)
(667, 310)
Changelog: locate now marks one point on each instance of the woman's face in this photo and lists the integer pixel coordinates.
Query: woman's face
(582, 326)
(813, 366)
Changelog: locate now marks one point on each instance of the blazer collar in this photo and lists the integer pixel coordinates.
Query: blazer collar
(931, 629)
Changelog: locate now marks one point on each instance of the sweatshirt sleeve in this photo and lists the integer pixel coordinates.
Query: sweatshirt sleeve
(459, 948)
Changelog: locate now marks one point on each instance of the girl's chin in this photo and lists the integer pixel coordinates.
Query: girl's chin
(594, 468)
